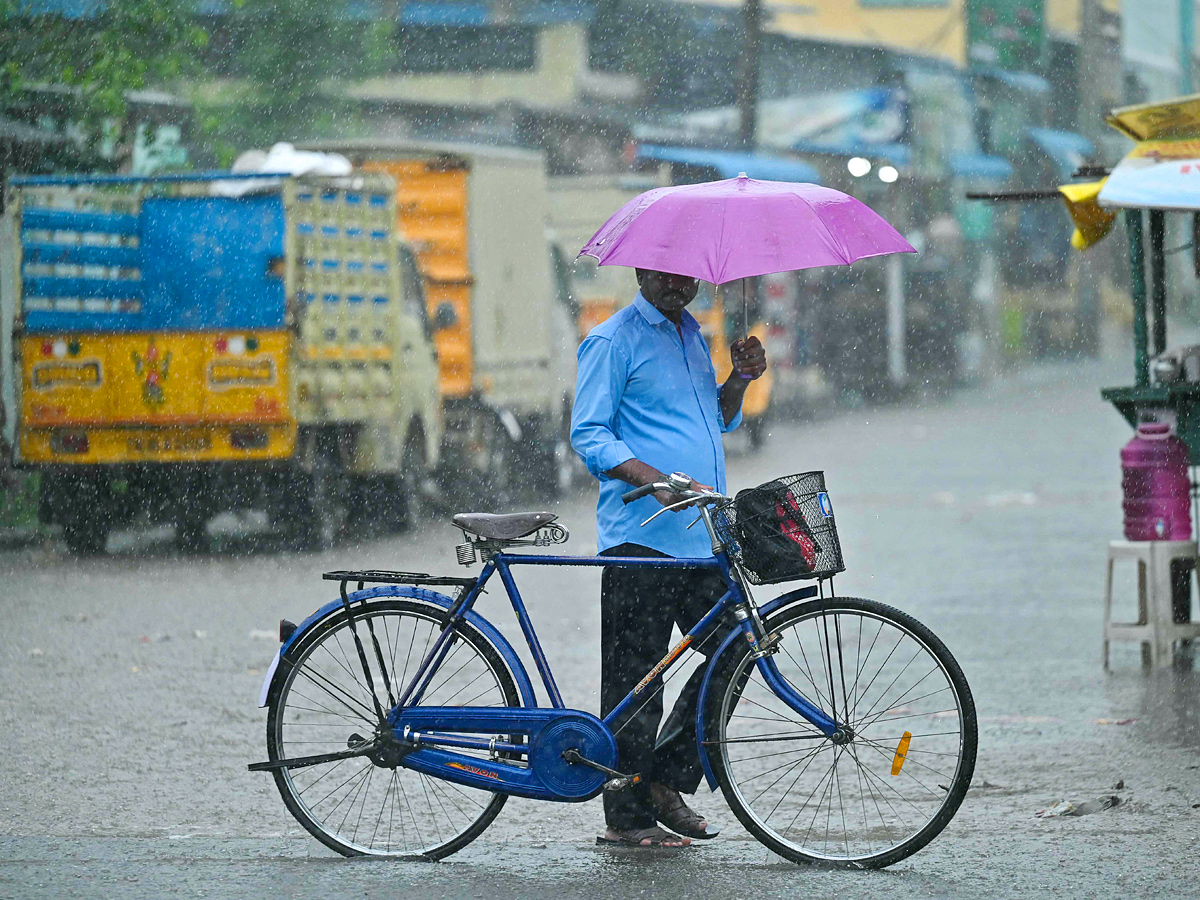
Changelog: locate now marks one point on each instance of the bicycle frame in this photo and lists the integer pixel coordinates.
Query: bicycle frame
(502, 563)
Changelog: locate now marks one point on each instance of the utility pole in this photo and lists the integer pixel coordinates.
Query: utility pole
(748, 74)
(1094, 74)
(1187, 43)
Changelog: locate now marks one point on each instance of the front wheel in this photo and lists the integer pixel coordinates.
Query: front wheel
(894, 775)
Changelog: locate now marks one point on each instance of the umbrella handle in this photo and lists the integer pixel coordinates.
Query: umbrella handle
(745, 325)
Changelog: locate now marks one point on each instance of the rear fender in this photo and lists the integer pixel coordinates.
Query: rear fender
(767, 609)
(276, 673)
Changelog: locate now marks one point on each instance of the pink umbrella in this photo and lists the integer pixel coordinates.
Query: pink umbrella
(720, 231)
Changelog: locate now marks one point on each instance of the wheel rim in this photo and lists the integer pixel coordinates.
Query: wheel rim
(836, 799)
(353, 804)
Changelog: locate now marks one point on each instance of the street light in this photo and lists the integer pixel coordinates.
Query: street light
(888, 174)
(858, 166)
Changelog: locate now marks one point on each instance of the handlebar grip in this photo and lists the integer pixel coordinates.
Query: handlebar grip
(637, 493)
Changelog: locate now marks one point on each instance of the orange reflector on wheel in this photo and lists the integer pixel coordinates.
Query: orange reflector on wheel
(901, 752)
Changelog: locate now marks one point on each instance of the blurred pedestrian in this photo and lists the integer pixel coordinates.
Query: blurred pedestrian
(647, 402)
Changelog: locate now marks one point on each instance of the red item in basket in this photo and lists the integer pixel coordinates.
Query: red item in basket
(794, 528)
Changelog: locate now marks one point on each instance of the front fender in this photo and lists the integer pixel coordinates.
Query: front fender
(804, 593)
(482, 625)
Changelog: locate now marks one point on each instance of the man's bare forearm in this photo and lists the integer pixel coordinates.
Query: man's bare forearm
(636, 472)
(732, 392)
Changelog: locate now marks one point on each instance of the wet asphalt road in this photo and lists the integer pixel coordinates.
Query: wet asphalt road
(128, 714)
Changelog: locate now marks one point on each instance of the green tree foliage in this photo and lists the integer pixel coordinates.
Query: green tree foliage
(125, 45)
(286, 56)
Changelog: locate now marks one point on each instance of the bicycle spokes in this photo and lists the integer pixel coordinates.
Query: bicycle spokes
(361, 799)
(875, 785)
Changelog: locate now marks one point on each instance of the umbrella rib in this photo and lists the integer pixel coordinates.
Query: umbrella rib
(840, 247)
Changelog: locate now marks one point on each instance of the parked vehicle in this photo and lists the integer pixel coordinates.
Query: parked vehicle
(177, 353)
(475, 217)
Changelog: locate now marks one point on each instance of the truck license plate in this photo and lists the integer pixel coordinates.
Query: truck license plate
(176, 442)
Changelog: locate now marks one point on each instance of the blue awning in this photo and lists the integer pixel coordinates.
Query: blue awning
(980, 166)
(1022, 81)
(890, 152)
(730, 163)
(438, 13)
(1068, 149)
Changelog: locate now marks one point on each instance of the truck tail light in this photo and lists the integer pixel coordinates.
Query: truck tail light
(62, 441)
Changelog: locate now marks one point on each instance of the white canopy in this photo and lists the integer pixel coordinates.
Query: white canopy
(1163, 170)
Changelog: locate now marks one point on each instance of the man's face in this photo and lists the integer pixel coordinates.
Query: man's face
(667, 292)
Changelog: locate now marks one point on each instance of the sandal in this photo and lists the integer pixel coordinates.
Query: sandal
(634, 837)
(681, 819)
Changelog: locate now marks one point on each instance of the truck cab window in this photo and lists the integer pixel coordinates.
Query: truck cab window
(412, 285)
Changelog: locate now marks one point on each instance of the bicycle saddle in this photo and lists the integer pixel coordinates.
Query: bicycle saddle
(506, 527)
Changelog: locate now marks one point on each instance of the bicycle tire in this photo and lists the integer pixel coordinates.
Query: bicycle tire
(733, 686)
(445, 794)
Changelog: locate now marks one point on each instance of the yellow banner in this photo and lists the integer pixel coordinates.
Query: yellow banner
(1172, 119)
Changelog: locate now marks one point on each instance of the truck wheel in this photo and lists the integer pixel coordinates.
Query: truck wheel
(83, 504)
(314, 517)
(493, 464)
(501, 473)
(86, 536)
(191, 534)
(756, 431)
(558, 458)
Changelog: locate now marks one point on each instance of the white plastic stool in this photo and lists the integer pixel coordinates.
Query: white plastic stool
(1156, 627)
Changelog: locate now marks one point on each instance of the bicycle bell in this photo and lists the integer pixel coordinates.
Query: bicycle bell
(679, 481)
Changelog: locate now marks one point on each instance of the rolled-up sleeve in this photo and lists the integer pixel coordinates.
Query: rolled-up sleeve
(599, 386)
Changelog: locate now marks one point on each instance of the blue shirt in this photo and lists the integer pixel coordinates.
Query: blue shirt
(643, 392)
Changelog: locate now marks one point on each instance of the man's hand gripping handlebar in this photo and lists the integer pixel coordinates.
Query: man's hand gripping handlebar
(677, 492)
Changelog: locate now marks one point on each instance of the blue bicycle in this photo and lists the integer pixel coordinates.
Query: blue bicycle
(841, 731)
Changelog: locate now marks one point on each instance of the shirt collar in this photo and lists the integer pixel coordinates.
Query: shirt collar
(652, 316)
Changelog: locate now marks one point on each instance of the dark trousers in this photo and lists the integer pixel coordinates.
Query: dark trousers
(638, 607)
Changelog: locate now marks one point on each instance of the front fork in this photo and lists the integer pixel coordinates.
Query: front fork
(764, 646)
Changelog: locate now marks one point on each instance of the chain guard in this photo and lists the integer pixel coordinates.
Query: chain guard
(572, 731)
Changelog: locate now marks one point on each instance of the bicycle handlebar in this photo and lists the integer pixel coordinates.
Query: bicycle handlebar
(639, 493)
(689, 495)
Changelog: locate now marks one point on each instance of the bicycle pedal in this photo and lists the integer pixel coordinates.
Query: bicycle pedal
(619, 784)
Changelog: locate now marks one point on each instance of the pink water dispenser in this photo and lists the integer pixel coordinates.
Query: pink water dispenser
(1156, 485)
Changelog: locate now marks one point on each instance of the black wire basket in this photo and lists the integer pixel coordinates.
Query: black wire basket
(782, 530)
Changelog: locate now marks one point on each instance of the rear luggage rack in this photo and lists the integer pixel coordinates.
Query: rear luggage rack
(383, 576)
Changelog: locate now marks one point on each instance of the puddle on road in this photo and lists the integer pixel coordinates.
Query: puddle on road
(1162, 701)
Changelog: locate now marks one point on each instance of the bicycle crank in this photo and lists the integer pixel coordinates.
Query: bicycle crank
(617, 781)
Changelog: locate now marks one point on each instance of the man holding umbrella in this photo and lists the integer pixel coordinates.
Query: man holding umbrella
(647, 402)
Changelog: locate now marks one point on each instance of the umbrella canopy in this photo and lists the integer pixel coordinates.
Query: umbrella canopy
(720, 231)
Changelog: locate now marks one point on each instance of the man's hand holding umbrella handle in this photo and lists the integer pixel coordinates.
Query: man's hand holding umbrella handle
(748, 357)
(749, 360)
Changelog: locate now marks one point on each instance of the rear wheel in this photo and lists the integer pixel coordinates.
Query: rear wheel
(323, 704)
(880, 790)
